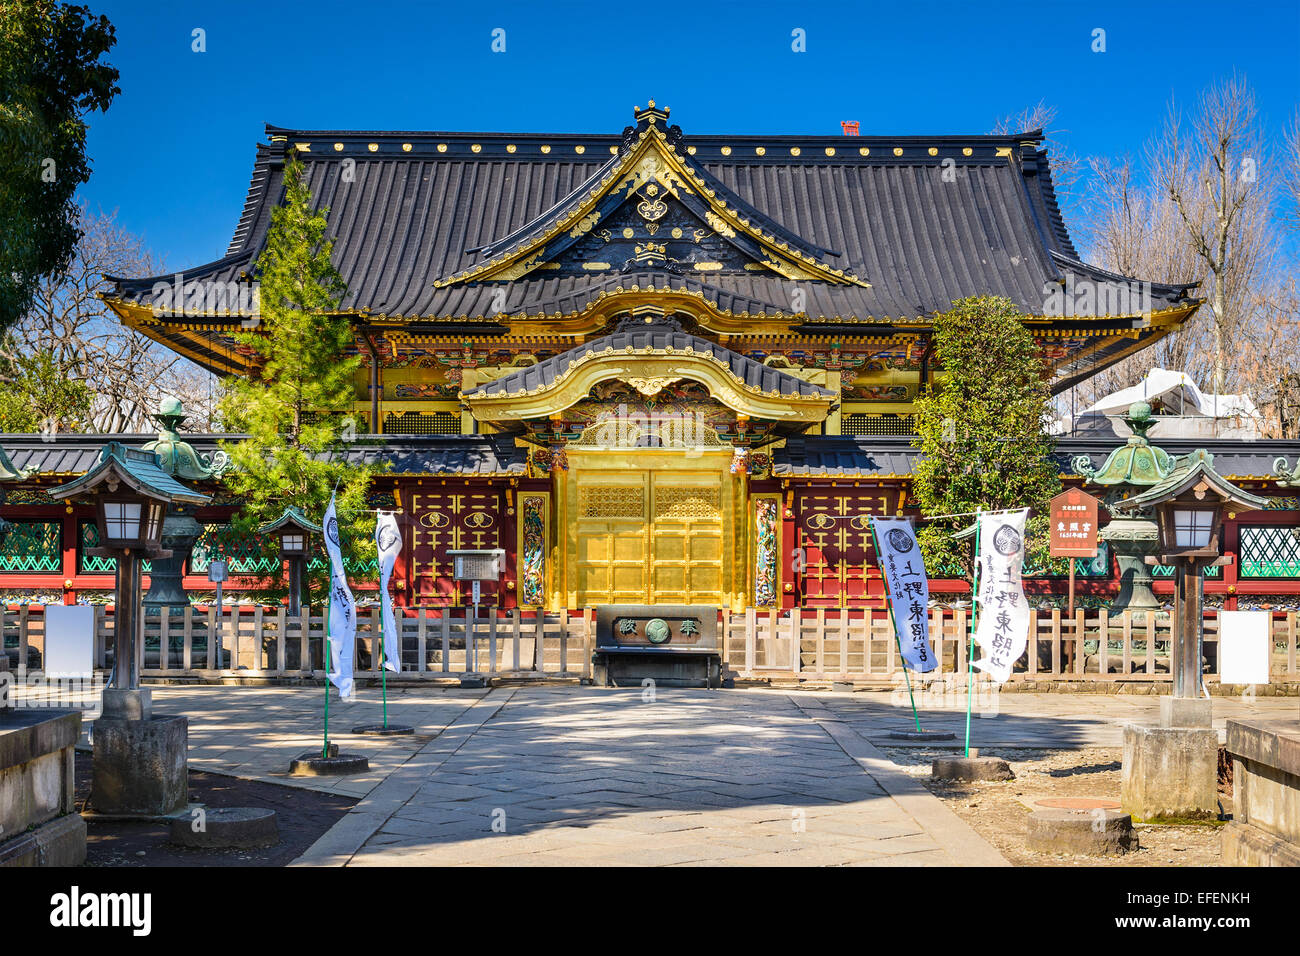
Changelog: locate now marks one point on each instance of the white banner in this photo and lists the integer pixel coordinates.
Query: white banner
(1003, 628)
(908, 589)
(343, 610)
(388, 544)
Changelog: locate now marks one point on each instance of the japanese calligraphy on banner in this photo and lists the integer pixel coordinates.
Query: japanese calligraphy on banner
(1003, 628)
(388, 544)
(908, 589)
(1074, 524)
(343, 609)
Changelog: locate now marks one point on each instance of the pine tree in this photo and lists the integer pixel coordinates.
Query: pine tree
(294, 407)
(982, 430)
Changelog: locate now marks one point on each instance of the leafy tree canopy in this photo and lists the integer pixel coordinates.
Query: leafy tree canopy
(51, 74)
(36, 396)
(295, 408)
(981, 428)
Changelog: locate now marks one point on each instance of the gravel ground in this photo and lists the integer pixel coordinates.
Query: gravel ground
(998, 811)
(302, 815)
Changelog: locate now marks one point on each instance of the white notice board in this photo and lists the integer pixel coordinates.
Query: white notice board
(69, 641)
(1244, 649)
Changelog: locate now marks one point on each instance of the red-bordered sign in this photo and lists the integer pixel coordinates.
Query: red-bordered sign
(1074, 524)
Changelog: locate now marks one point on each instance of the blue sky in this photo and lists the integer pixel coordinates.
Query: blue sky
(174, 153)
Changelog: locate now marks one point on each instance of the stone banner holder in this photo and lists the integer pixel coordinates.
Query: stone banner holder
(970, 768)
(226, 828)
(312, 764)
(382, 730)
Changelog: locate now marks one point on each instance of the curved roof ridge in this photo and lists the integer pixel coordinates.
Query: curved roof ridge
(653, 336)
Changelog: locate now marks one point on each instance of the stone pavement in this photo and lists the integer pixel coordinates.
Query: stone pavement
(564, 775)
(546, 776)
(255, 732)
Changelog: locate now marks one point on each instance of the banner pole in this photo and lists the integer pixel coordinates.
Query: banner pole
(970, 646)
(889, 606)
(383, 673)
(325, 639)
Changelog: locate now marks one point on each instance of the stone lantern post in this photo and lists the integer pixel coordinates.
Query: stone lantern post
(180, 529)
(140, 757)
(1132, 535)
(1171, 770)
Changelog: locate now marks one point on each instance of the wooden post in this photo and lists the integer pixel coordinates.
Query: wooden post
(750, 639)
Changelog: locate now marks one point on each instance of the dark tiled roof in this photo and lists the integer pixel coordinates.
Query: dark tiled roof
(815, 456)
(754, 374)
(835, 456)
(408, 213)
(481, 455)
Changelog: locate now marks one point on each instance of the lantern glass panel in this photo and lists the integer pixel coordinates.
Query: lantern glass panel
(291, 543)
(1192, 527)
(122, 520)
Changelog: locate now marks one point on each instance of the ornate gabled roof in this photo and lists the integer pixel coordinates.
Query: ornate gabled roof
(651, 170)
(647, 337)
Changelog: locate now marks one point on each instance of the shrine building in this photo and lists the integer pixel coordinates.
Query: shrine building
(650, 365)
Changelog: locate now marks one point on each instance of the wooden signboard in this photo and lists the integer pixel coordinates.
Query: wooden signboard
(1074, 531)
(1074, 524)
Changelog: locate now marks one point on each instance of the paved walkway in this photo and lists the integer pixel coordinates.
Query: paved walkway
(562, 775)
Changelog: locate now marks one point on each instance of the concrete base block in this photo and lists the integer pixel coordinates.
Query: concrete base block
(1170, 773)
(473, 681)
(1246, 845)
(1186, 712)
(379, 730)
(140, 767)
(337, 765)
(57, 842)
(224, 827)
(842, 686)
(971, 768)
(1097, 832)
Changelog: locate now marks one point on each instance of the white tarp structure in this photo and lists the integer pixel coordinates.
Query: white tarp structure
(1181, 410)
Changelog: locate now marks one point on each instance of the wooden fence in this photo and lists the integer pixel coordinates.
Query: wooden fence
(859, 646)
(257, 642)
